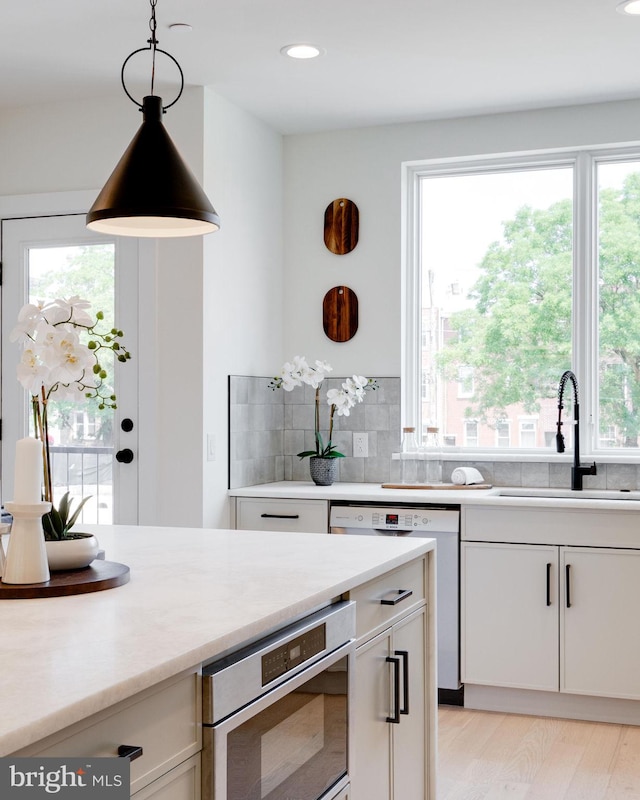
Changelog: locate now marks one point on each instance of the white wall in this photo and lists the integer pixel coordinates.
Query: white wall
(218, 299)
(365, 166)
(243, 286)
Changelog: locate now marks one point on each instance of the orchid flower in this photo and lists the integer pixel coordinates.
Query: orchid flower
(298, 372)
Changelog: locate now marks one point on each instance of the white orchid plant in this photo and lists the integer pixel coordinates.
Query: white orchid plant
(61, 360)
(298, 372)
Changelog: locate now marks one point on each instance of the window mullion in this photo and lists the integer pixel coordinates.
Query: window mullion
(585, 311)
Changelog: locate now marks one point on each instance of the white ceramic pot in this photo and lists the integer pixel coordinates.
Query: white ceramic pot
(73, 553)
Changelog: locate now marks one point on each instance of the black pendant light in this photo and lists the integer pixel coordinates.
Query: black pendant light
(152, 192)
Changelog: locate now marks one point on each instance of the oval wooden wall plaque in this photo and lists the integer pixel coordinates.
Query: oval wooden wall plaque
(341, 223)
(340, 313)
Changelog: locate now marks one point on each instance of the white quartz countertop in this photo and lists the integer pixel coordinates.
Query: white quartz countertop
(193, 594)
(374, 493)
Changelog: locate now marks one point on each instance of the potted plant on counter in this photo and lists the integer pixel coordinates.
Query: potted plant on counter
(323, 464)
(61, 360)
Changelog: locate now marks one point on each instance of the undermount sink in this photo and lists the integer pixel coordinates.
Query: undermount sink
(570, 494)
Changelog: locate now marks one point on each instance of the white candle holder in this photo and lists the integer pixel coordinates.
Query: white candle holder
(26, 559)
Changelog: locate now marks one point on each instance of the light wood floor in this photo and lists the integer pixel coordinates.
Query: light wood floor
(490, 756)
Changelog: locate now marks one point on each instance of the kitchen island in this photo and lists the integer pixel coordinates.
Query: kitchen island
(193, 595)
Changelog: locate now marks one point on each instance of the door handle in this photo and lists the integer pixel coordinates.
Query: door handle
(124, 456)
(280, 516)
(404, 655)
(396, 690)
(567, 570)
(548, 584)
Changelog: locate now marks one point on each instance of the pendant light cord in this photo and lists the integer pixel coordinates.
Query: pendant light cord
(153, 42)
(153, 46)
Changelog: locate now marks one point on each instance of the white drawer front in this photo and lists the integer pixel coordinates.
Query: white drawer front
(271, 514)
(165, 723)
(181, 783)
(384, 599)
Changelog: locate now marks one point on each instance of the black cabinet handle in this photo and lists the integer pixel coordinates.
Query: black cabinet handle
(124, 456)
(399, 596)
(280, 516)
(396, 690)
(129, 751)
(567, 570)
(404, 655)
(548, 584)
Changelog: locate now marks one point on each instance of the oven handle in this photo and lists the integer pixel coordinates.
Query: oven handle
(272, 696)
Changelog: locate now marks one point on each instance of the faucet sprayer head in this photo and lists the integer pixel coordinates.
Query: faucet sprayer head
(559, 443)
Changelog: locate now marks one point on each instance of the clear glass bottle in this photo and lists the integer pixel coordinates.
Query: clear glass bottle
(433, 454)
(408, 456)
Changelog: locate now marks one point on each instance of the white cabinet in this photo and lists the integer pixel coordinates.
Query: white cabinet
(392, 730)
(551, 618)
(509, 615)
(600, 652)
(163, 721)
(273, 514)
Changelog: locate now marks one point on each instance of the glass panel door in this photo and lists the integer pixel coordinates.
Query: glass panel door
(49, 258)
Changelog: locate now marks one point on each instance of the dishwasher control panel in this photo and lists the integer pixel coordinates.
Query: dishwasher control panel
(395, 519)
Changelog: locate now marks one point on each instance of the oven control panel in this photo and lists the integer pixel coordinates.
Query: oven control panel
(291, 654)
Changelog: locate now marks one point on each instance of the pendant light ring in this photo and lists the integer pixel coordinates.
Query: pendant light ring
(155, 50)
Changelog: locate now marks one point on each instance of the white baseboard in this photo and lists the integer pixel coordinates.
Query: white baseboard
(552, 704)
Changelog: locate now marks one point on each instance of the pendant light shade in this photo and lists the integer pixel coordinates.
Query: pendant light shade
(152, 192)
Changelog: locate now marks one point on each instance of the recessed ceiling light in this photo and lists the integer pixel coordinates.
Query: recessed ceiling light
(303, 50)
(180, 27)
(631, 7)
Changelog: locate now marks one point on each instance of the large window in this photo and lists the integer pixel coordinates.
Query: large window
(518, 270)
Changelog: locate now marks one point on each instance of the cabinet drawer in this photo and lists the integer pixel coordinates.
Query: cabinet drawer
(384, 599)
(271, 514)
(164, 722)
(181, 783)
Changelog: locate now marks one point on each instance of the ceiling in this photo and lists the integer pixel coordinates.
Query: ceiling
(385, 62)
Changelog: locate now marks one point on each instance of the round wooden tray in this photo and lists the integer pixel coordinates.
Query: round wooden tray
(97, 576)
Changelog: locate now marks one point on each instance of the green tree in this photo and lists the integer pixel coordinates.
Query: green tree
(517, 337)
(85, 271)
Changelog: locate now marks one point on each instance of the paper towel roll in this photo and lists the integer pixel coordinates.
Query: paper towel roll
(464, 475)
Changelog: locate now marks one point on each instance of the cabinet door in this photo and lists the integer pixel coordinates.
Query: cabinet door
(599, 632)
(370, 771)
(510, 615)
(410, 737)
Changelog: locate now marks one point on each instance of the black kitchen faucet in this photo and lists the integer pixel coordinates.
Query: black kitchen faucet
(578, 470)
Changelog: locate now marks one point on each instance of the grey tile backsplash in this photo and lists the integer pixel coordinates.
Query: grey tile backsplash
(267, 428)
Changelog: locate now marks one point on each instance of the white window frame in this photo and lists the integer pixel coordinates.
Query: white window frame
(468, 422)
(585, 349)
(466, 384)
(507, 424)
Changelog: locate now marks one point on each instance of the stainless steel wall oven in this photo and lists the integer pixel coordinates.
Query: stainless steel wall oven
(276, 714)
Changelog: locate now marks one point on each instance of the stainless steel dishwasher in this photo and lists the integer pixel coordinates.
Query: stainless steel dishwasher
(441, 523)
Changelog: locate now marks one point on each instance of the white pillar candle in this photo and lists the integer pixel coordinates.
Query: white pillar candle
(27, 485)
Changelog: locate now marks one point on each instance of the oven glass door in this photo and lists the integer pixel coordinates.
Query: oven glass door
(291, 743)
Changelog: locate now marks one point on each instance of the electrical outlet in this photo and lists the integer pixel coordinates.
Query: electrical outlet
(360, 445)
